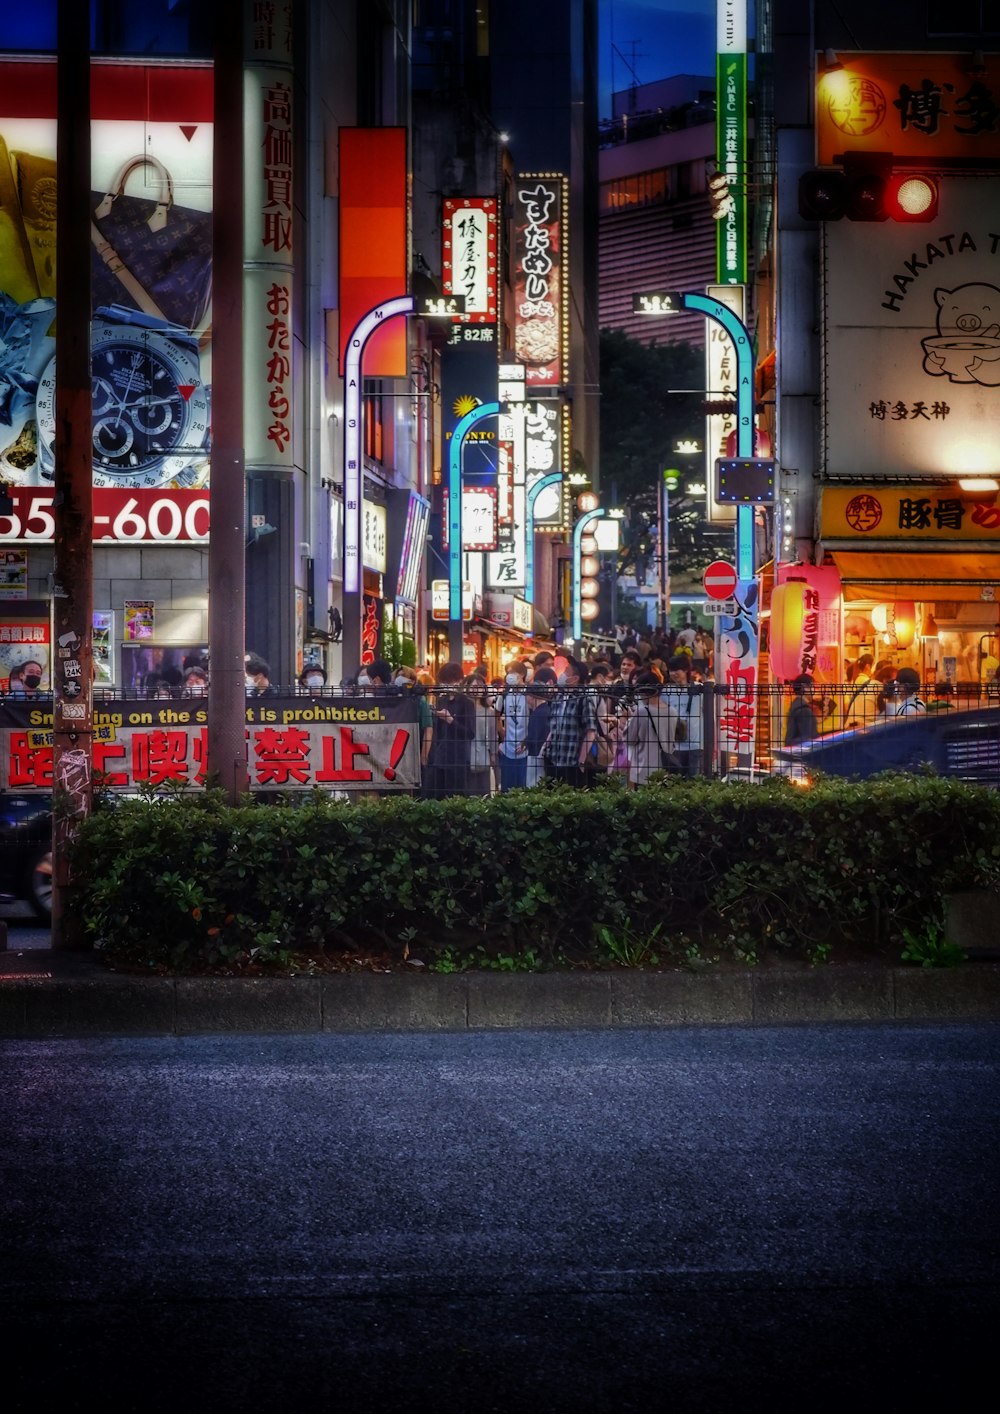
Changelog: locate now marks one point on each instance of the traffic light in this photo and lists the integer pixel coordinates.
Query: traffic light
(867, 189)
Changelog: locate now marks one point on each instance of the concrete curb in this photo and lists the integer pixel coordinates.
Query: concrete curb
(92, 1002)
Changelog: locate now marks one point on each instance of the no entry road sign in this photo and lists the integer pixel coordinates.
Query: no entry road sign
(719, 580)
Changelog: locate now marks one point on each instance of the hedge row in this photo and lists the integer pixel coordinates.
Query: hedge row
(191, 882)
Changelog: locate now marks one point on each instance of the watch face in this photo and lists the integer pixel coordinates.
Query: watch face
(150, 407)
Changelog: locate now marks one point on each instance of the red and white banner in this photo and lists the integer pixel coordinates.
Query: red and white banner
(160, 516)
(469, 255)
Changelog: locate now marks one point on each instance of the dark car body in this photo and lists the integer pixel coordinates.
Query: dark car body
(26, 849)
(960, 743)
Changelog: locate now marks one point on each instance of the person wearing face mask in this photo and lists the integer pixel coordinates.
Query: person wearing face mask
(407, 681)
(195, 683)
(27, 680)
(513, 752)
(312, 679)
(258, 677)
(572, 727)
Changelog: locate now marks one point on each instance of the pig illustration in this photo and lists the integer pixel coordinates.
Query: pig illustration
(966, 348)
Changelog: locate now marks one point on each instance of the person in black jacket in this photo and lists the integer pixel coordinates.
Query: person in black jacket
(447, 770)
(800, 724)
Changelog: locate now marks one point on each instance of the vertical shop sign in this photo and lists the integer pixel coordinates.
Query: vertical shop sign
(731, 139)
(541, 277)
(373, 242)
(469, 255)
(268, 251)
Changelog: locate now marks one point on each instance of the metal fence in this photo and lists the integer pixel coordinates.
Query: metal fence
(477, 738)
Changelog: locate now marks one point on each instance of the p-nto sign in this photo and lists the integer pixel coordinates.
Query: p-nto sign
(719, 580)
(122, 515)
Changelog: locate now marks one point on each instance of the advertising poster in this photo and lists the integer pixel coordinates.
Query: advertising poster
(24, 656)
(14, 574)
(912, 358)
(151, 271)
(102, 647)
(293, 743)
(140, 619)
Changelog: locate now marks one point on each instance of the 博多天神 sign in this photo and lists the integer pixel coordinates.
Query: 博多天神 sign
(293, 743)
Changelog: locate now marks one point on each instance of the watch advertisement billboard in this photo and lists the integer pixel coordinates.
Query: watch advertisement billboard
(151, 271)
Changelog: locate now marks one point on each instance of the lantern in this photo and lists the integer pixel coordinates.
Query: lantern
(587, 501)
(589, 564)
(588, 544)
(589, 610)
(897, 623)
(589, 588)
(788, 615)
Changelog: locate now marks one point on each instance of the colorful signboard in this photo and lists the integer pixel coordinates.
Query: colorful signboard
(541, 277)
(479, 518)
(731, 139)
(923, 108)
(151, 230)
(912, 341)
(911, 514)
(469, 255)
(373, 241)
(293, 743)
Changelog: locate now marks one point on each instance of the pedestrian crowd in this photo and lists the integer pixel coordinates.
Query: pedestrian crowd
(549, 718)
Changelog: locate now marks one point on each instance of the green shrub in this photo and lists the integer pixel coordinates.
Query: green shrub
(551, 874)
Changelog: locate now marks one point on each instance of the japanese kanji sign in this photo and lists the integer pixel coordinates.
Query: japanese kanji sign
(469, 255)
(540, 281)
(912, 340)
(919, 107)
(294, 743)
(909, 513)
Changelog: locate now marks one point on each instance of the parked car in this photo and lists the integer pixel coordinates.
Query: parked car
(26, 850)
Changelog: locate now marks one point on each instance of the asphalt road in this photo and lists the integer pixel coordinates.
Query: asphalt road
(692, 1219)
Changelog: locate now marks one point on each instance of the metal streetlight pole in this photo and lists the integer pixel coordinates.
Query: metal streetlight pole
(553, 479)
(578, 530)
(354, 480)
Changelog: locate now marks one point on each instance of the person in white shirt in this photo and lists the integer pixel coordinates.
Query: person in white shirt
(686, 700)
(909, 703)
(513, 753)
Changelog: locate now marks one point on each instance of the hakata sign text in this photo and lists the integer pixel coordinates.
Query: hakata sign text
(294, 743)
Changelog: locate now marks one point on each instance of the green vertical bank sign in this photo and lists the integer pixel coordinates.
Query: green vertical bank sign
(731, 139)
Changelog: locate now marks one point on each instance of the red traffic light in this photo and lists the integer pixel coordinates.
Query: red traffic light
(867, 189)
(911, 196)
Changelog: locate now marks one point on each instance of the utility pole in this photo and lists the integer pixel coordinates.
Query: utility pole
(227, 534)
(73, 537)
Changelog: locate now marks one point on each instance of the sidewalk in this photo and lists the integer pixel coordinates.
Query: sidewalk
(69, 994)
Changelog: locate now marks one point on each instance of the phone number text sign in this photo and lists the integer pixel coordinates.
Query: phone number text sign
(294, 743)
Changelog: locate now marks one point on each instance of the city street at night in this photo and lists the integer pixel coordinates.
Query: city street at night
(695, 1219)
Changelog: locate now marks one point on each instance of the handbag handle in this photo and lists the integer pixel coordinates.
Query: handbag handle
(165, 199)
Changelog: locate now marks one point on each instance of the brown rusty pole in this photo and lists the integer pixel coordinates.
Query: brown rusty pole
(72, 579)
(227, 536)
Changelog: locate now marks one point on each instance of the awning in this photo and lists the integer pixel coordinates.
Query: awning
(916, 574)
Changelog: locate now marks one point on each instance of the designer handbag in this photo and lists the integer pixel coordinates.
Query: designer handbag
(16, 260)
(151, 254)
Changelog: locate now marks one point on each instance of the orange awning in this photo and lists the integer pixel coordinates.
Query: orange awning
(922, 575)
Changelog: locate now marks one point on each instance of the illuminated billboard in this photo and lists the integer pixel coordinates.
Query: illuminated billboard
(469, 255)
(541, 277)
(373, 241)
(151, 245)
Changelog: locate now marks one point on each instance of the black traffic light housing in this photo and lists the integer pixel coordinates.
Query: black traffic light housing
(867, 189)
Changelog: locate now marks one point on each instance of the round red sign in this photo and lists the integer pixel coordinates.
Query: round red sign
(719, 580)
